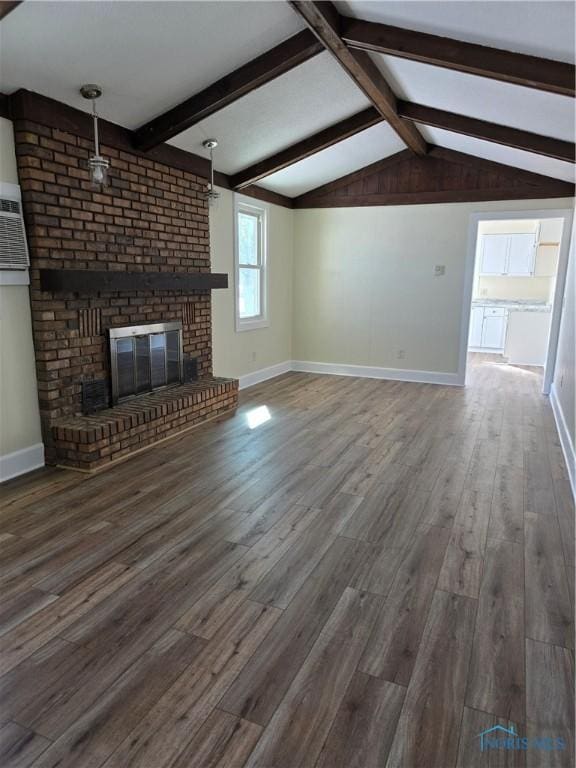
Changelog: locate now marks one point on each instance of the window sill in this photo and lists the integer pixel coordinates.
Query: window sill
(251, 325)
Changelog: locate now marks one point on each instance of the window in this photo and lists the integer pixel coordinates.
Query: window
(251, 293)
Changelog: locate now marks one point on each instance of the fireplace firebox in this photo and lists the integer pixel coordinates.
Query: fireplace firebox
(145, 358)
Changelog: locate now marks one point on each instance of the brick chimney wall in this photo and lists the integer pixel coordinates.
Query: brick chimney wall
(151, 217)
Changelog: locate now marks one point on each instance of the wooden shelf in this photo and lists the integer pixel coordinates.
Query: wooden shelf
(89, 282)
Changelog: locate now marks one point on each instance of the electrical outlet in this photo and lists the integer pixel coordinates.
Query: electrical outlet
(439, 270)
(401, 354)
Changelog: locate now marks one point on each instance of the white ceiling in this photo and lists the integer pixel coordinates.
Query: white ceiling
(499, 154)
(149, 56)
(350, 155)
(303, 101)
(540, 28)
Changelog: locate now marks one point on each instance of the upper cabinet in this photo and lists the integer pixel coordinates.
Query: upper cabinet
(521, 254)
(494, 254)
(508, 254)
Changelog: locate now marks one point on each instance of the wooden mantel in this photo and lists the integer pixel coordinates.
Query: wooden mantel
(91, 281)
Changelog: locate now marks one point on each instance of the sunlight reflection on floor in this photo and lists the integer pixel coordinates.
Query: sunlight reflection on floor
(258, 416)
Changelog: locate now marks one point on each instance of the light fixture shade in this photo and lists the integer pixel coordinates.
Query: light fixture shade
(98, 171)
(213, 197)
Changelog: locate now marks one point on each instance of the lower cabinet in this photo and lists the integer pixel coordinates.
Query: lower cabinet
(476, 321)
(527, 338)
(488, 328)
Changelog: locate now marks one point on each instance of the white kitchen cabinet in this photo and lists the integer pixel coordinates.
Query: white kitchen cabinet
(488, 328)
(521, 255)
(476, 321)
(527, 338)
(493, 332)
(512, 255)
(494, 253)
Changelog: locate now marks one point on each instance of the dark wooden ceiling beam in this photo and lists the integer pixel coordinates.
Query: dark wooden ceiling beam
(7, 6)
(507, 66)
(307, 147)
(270, 65)
(482, 129)
(324, 20)
(530, 192)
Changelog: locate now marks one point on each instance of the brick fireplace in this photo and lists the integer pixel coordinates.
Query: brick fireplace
(147, 230)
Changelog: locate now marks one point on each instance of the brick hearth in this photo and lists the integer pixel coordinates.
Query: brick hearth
(91, 442)
(151, 218)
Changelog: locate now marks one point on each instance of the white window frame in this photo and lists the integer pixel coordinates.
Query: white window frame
(243, 204)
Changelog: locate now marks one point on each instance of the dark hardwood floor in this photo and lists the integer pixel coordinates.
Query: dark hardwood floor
(348, 573)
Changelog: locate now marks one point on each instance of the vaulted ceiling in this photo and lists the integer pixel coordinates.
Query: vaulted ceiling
(151, 57)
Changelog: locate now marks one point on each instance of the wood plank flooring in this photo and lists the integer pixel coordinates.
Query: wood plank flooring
(368, 578)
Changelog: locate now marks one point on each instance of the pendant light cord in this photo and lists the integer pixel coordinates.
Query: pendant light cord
(96, 135)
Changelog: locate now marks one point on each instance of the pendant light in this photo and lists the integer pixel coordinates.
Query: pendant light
(97, 164)
(212, 195)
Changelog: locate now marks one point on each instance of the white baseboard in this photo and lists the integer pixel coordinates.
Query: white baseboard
(20, 462)
(486, 350)
(525, 365)
(565, 441)
(250, 379)
(372, 372)
(361, 371)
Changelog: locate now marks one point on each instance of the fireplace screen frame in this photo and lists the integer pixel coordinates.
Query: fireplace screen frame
(131, 331)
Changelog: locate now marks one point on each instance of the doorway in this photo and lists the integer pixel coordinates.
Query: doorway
(514, 286)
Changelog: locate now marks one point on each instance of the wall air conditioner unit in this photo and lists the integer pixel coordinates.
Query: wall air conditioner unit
(13, 246)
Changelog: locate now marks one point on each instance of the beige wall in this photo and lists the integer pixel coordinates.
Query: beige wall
(565, 358)
(518, 226)
(364, 284)
(8, 171)
(239, 353)
(537, 288)
(19, 416)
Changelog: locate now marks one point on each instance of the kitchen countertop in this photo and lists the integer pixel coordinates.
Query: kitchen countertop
(516, 305)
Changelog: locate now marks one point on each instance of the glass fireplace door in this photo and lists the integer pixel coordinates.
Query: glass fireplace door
(144, 358)
(142, 363)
